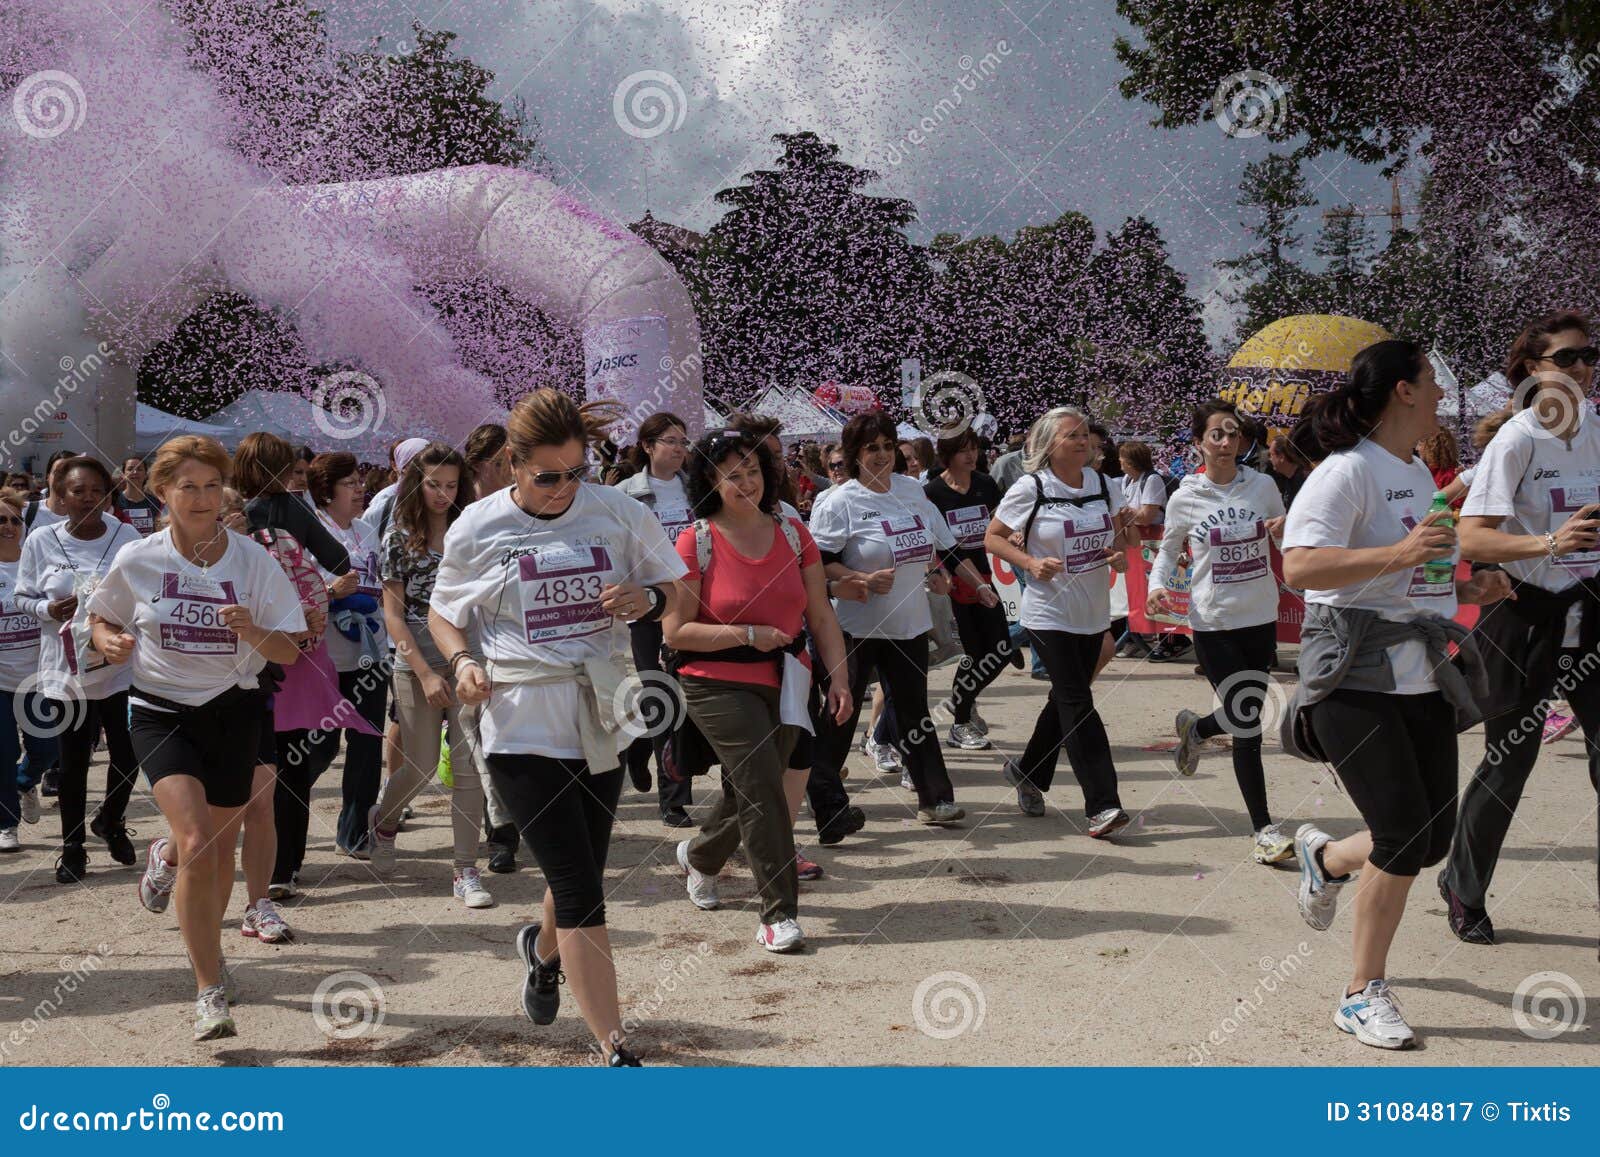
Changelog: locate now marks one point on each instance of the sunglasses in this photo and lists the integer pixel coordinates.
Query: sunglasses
(1567, 358)
(837, 464)
(550, 479)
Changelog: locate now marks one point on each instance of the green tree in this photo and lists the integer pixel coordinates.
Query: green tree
(1274, 192)
(1345, 243)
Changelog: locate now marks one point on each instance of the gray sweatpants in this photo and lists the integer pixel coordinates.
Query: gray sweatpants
(420, 723)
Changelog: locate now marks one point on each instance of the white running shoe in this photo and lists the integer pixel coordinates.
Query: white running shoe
(979, 723)
(906, 782)
(263, 922)
(1187, 754)
(784, 936)
(30, 805)
(1319, 893)
(380, 849)
(1270, 845)
(702, 888)
(212, 1020)
(1107, 823)
(470, 891)
(1373, 1017)
(8, 840)
(967, 737)
(282, 891)
(155, 884)
(885, 756)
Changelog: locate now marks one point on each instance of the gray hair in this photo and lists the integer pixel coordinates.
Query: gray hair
(1043, 433)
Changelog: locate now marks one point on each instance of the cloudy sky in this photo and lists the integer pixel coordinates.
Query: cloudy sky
(1040, 128)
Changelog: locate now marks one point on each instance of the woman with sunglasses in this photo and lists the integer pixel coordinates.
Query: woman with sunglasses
(430, 502)
(24, 714)
(60, 566)
(1532, 509)
(879, 529)
(659, 484)
(551, 570)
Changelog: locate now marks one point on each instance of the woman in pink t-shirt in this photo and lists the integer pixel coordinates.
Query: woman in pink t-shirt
(739, 631)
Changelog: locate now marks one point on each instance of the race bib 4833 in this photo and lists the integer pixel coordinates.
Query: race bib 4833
(561, 588)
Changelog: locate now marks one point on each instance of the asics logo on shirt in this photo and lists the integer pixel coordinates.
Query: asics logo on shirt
(866, 515)
(507, 557)
(1393, 495)
(1545, 472)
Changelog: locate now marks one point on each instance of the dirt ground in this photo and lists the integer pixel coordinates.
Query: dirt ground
(1009, 941)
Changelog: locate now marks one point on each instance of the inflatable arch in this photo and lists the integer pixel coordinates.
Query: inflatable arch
(78, 365)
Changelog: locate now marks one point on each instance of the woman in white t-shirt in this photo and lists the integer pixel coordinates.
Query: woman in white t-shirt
(550, 570)
(60, 566)
(1143, 489)
(659, 484)
(1378, 696)
(1073, 527)
(199, 610)
(24, 713)
(1224, 519)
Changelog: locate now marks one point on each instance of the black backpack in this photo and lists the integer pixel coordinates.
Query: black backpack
(1039, 499)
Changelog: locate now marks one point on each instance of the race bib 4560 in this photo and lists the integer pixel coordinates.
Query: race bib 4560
(191, 608)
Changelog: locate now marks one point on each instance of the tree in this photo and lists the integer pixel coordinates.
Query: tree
(1345, 244)
(1275, 191)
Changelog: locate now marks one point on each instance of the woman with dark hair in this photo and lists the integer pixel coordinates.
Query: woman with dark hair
(1379, 697)
(431, 501)
(1142, 488)
(1223, 519)
(1533, 509)
(966, 498)
(880, 529)
(61, 565)
(659, 484)
(551, 569)
(754, 587)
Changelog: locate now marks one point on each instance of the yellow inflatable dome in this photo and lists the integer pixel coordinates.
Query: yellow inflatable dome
(1275, 373)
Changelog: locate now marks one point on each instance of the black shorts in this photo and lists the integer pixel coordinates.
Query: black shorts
(215, 743)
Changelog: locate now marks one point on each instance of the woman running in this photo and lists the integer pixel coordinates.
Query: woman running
(1532, 508)
(430, 502)
(1072, 526)
(1223, 518)
(551, 569)
(1378, 697)
(24, 713)
(60, 566)
(740, 633)
(880, 529)
(199, 610)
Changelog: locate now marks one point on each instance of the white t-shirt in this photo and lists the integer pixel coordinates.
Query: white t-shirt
(1226, 533)
(44, 517)
(54, 565)
(19, 634)
(672, 506)
(1366, 497)
(872, 531)
(1147, 490)
(170, 606)
(361, 542)
(1536, 482)
(1078, 599)
(533, 585)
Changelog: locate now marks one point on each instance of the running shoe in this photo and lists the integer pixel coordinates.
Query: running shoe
(8, 840)
(784, 936)
(503, 840)
(282, 891)
(883, 755)
(116, 838)
(1471, 925)
(906, 782)
(701, 887)
(940, 814)
(621, 1058)
(263, 922)
(541, 988)
(1319, 892)
(1558, 725)
(155, 885)
(1107, 823)
(804, 868)
(1271, 846)
(212, 1020)
(30, 805)
(967, 737)
(380, 848)
(1373, 1017)
(351, 853)
(50, 783)
(979, 723)
(1187, 754)
(73, 864)
(834, 828)
(469, 889)
(1030, 800)
(676, 817)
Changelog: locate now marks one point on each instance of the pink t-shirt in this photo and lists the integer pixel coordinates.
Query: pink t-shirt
(765, 592)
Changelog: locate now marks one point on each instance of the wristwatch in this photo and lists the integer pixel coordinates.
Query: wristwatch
(655, 597)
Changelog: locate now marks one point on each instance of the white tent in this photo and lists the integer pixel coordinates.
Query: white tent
(803, 420)
(153, 427)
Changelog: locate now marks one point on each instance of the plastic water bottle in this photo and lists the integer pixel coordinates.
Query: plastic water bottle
(445, 775)
(1441, 570)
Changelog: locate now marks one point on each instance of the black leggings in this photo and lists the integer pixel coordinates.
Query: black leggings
(77, 748)
(1396, 756)
(1069, 720)
(646, 639)
(564, 815)
(1236, 663)
(986, 641)
(902, 666)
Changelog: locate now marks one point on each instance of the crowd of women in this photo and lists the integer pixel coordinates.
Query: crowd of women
(225, 621)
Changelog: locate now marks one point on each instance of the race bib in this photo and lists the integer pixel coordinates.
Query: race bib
(19, 631)
(561, 588)
(968, 524)
(190, 608)
(1565, 501)
(908, 539)
(674, 522)
(1087, 537)
(141, 518)
(369, 582)
(1239, 552)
